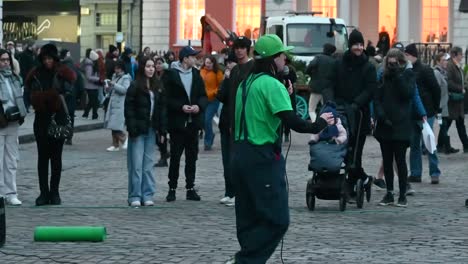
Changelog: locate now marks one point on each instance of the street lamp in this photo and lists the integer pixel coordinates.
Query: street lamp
(119, 35)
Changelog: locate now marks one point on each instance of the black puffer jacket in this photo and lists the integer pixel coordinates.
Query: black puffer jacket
(429, 89)
(320, 70)
(393, 106)
(137, 111)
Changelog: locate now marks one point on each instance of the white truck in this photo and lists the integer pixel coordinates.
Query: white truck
(308, 33)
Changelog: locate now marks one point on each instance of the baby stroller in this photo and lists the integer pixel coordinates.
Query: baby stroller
(330, 164)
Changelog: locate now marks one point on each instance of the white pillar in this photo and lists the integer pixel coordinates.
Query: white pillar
(349, 11)
(344, 11)
(1, 23)
(403, 21)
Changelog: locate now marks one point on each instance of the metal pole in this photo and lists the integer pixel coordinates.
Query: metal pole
(119, 23)
(1, 22)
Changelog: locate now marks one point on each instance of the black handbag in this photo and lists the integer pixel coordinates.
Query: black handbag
(12, 114)
(60, 131)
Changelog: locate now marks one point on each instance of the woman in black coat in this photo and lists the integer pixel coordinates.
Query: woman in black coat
(145, 114)
(393, 125)
(47, 83)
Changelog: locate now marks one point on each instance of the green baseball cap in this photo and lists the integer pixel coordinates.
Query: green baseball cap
(269, 45)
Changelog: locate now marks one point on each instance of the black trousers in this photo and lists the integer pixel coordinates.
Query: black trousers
(183, 140)
(226, 152)
(395, 150)
(93, 103)
(354, 158)
(49, 149)
(461, 129)
(162, 146)
(262, 212)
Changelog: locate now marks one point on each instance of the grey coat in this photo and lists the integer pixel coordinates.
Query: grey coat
(92, 78)
(115, 119)
(441, 76)
(16, 86)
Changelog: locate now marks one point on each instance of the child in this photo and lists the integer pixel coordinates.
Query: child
(334, 134)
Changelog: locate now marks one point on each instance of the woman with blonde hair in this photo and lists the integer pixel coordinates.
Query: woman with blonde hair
(393, 125)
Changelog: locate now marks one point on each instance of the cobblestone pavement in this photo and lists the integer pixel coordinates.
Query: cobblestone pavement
(432, 229)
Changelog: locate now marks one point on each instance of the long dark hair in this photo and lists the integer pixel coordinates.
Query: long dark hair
(140, 79)
(213, 60)
(265, 65)
(12, 66)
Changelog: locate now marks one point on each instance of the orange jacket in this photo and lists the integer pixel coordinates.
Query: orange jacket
(212, 82)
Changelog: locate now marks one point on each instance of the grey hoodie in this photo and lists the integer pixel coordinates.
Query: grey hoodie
(185, 76)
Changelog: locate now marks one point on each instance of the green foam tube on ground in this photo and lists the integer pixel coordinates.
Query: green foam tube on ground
(70, 233)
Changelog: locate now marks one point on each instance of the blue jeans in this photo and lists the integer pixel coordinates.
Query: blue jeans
(210, 112)
(140, 160)
(416, 154)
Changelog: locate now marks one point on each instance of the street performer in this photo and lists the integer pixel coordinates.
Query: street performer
(259, 169)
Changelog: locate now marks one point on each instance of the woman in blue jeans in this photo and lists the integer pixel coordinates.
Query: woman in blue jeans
(145, 114)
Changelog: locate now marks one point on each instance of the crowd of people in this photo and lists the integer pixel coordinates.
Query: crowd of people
(165, 101)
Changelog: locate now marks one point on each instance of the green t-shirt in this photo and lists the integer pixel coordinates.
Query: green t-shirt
(266, 96)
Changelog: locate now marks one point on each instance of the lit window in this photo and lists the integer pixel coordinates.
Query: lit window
(248, 14)
(189, 14)
(327, 7)
(435, 20)
(388, 18)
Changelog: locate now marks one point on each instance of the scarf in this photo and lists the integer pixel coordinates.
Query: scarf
(16, 87)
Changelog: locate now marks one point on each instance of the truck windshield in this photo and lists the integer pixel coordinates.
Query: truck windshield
(308, 39)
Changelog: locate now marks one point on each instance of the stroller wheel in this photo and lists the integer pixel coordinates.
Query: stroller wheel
(359, 194)
(368, 193)
(342, 203)
(310, 199)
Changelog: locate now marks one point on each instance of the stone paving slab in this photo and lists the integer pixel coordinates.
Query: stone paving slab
(433, 229)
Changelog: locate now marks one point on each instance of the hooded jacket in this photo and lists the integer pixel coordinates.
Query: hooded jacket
(184, 87)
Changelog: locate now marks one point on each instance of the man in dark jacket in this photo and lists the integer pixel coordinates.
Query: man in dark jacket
(78, 88)
(457, 90)
(429, 91)
(27, 61)
(353, 84)
(186, 101)
(111, 59)
(320, 70)
(227, 96)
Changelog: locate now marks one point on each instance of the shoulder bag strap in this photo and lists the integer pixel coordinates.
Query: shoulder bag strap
(64, 104)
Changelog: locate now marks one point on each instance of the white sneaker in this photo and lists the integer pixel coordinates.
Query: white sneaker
(231, 202)
(148, 203)
(112, 149)
(13, 201)
(125, 144)
(135, 204)
(224, 200)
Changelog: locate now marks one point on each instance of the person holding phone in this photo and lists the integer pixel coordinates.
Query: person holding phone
(114, 118)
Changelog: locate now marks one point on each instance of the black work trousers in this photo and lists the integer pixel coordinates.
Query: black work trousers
(187, 140)
(461, 129)
(262, 212)
(226, 152)
(393, 150)
(49, 149)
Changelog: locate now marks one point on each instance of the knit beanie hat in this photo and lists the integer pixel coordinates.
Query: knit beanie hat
(412, 50)
(354, 38)
(93, 56)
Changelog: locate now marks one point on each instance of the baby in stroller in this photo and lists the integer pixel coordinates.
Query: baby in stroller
(332, 134)
(328, 148)
(328, 151)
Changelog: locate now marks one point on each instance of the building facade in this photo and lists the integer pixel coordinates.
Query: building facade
(175, 23)
(98, 24)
